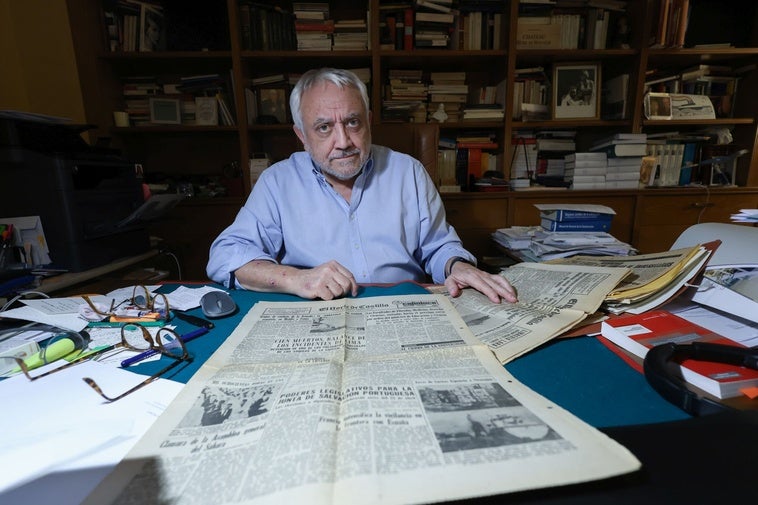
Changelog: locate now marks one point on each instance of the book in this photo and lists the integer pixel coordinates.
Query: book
(600, 224)
(613, 149)
(616, 97)
(639, 333)
(732, 289)
(574, 212)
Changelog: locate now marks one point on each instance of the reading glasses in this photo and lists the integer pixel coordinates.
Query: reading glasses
(141, 300)
(134, 337)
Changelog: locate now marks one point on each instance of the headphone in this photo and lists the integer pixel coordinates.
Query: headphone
(661, 372)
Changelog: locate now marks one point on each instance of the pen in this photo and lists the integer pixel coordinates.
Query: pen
(152, 352)
(197, 321)
(110, 324)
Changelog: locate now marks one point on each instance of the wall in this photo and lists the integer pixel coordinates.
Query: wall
(37, 60)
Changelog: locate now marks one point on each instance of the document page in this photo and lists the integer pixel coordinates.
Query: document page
(551, 300)
(372, 400)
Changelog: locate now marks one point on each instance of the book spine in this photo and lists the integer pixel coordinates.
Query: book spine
(588, 225)
(408, 30)
(575, 215)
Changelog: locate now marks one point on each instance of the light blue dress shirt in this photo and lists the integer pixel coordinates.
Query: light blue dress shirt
(394, 229)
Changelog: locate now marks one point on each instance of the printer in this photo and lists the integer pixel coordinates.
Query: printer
(81, 193)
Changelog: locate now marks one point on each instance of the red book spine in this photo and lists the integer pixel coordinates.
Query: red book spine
(408, 33)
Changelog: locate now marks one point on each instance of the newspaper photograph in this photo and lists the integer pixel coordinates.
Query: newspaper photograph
(551, 300)
(370, 426)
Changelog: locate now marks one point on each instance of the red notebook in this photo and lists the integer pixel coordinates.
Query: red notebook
(638, 333)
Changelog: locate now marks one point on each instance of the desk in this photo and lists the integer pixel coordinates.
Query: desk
(581, 375)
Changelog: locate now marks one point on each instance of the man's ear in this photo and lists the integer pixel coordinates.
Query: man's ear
(299, 134)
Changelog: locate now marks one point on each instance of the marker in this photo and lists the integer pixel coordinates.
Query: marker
(152, 352)
(52, 352)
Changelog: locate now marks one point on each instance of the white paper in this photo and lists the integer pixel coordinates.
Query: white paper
(184, 298)
(60, 422)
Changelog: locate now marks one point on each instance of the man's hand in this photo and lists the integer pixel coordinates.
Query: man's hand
(327, 281)
(493, 286)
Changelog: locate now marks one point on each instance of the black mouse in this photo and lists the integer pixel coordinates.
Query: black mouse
(217, 304)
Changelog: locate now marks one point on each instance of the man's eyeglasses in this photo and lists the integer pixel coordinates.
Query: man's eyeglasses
(141, 301)
(138, 338)
(134, 337)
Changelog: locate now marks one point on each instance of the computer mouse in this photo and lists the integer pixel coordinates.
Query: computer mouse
(217, 304)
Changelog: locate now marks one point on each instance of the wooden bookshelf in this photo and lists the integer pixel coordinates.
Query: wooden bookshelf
(180, 151)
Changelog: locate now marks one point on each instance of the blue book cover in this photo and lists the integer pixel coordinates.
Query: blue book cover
(575, 215)
(585, 225)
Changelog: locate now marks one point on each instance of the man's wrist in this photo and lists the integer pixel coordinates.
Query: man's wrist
(452, 261)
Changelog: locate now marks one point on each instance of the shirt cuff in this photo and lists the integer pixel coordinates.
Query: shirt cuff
(453, 261)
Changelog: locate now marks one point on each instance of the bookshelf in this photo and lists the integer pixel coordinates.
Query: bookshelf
(213, 38)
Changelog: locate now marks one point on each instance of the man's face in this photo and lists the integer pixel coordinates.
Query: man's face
(336, 130)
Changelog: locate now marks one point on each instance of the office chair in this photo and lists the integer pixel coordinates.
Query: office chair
(739, 243)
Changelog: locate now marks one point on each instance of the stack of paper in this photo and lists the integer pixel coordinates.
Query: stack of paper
(515, 237)
(547, 245)
(656, 278)
(745, 216)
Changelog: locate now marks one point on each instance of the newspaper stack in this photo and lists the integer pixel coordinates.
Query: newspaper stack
(657, 277)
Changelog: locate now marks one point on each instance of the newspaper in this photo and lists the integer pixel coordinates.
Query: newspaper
(656, 278)
(552, 300)
(370, 400)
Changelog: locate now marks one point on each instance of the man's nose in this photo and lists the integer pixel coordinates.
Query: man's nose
(341, 137)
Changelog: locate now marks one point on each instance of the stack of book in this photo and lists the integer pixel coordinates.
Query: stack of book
(137, 91)
(483, 112)
(446, 89)
(575, 217)
(433, 24)
(624, 152)
(638, 334)
(350, 35)
(405, 96)
(584, 170)
(313, 26)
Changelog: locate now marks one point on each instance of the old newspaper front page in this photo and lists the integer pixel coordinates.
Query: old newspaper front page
(551, 300)
(381, 400)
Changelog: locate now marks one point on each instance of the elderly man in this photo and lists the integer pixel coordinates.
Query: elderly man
(343, 212)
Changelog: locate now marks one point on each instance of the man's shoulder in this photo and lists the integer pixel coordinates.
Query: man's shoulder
(387, 155)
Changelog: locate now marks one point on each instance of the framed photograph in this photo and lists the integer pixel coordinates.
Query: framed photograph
(165, 111)
(576, 91)
(272, 105)
(658, 106)
(206, 111)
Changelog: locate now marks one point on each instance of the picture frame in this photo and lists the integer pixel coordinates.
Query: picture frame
(658, 106)
(206, 111)
(576, 91)
(165, 111)
(272, 105)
